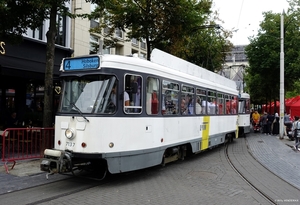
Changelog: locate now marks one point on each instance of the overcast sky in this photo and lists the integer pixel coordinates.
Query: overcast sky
(245, 15)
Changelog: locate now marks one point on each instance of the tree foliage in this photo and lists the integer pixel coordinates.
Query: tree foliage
(17, 16)
(204, 47)
(263, 52)
(160, 23)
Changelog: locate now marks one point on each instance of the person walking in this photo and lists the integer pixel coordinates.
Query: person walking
(296, 131)
(264, 121)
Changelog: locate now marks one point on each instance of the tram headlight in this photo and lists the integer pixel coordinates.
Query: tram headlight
(69, 133)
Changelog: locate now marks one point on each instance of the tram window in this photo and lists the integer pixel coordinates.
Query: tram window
(198, 107)
(234, 105)
(202, 100)
(170, 92)
(187, 100)
(244, 106)
(132, 96)
(110, 98)
(212, 103)
(247, 106)
(221, 104)
(152, 96)
(86, 94)
(228, 104)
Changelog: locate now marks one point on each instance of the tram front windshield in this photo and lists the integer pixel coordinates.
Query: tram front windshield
(87, 94)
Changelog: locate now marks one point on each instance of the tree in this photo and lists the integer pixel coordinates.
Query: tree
(263, 54)
(206, 46)
(31, 14)
(17, 16)
(158, 22)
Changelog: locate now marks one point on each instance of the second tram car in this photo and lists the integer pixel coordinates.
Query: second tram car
(125, 113)
(244, 114)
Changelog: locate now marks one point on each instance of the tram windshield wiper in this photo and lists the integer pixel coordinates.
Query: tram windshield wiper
(73, 104)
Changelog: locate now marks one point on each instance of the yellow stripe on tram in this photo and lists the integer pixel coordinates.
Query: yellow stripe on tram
(205, 132)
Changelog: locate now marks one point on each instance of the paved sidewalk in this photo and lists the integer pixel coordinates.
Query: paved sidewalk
(276, 155)
(22, 167)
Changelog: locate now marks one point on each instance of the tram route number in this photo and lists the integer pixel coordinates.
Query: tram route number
(70, 144)
(202, 127)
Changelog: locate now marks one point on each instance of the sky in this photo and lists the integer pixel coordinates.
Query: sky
(244, 16)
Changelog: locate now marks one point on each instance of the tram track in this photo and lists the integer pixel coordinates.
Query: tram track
(50, 191)
(270, 186)
(265, 196)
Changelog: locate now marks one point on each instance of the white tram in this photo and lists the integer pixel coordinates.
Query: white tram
(125, 113)
(244, 114)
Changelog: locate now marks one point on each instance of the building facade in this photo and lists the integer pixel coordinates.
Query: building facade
(22, 72)
(235, 64)
(84, 43)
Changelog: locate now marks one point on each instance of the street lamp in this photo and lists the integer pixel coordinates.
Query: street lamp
(281, 91)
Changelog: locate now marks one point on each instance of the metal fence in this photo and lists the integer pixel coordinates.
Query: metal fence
(25, 143)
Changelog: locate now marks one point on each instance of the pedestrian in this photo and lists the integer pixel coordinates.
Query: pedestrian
(264, 122)
(275, 130)
(255, 118)
(12, 121)
(286, 118)
(296, 132)
(270, 121)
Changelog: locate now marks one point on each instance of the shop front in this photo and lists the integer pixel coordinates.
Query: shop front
(22, 76)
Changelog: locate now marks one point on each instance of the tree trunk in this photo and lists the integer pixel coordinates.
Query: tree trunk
(50, 55)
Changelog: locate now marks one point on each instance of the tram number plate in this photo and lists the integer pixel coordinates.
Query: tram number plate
(70, 144)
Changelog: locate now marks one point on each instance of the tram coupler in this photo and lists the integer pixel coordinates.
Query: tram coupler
(55, 161)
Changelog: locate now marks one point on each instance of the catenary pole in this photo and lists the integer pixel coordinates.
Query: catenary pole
(281, 91)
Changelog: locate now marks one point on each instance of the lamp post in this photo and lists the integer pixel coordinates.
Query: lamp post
(281, 91)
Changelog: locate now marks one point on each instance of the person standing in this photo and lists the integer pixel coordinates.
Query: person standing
(270, 123)
(286, 118)
(264, 121)
(296, 131)
(198, 106)
(12, 121)
(275, 130)
(190, 106)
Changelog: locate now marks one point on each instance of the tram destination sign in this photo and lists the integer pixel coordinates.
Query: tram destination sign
(83, 63)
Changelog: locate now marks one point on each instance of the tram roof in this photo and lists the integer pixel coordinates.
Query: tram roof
(168, 66)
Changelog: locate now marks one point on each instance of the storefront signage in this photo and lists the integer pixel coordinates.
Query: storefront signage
(2, 49)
